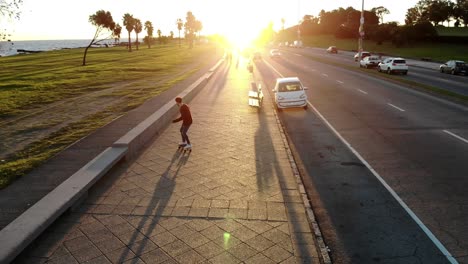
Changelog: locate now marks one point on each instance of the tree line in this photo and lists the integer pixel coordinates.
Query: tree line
(106, 28)
(345, 23)
(438, 11)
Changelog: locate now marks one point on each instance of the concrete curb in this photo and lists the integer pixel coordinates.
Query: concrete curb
(16, 236)
(310, 214)
(136, 138)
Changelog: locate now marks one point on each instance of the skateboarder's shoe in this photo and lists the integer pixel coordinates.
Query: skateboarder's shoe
(182, 144)
(187, 147)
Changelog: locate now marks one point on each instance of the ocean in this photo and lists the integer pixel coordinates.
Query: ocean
(9, 48)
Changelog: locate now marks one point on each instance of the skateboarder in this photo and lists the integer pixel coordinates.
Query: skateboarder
(186, 119)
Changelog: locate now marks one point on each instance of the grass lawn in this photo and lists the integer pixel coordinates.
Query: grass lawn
(435, 51)
(452, 31)
(33, 82)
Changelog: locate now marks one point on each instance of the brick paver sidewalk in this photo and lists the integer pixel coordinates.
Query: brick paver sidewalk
(234, 199)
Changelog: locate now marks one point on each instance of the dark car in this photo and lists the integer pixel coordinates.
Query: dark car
(454, 67)
(332, 49)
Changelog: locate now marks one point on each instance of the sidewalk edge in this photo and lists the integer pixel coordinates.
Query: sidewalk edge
(310, 214)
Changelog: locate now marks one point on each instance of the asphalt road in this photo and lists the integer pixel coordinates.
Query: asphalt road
(415, 143)
(432, 77)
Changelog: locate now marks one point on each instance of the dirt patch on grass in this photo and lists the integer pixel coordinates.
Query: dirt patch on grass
(19, 132)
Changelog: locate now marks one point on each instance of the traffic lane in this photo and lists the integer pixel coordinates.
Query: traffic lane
(456, 84)
(360, 220)
(426, 110)
(414, 134)
(424, 165)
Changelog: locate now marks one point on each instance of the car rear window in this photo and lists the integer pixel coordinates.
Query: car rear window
(460, 64)
(289, 87)
(399, 61)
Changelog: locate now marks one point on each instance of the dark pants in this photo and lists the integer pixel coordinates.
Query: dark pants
(183, 133)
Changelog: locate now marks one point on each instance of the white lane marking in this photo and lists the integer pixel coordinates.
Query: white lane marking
(340, 82)
(313, 70)
(396, 107)
(456, 136)
(299, 55)
(426, 230)
(364, 92)
(324, 74)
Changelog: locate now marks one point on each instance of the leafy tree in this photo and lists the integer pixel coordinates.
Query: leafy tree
(117, 32)
(462, 11)
(413, 15)
(282, 23)
(198, 27)
(149, 31)
(190, 25)
(129, 23)
(180, 24)
(10, 9)
(138, 28)
(309, 25)
(438, 11)
(103, 21)
(380, 12)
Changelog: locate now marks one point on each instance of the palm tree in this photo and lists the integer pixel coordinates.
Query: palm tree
(149, 31)
(138, 28)
(180, 24)
(129, 22)
(159, 35)
(116, 33)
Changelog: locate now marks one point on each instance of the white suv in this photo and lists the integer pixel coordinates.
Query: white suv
(392, 65)
(289, 92)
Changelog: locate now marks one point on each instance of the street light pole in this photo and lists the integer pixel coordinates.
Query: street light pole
(361, 32)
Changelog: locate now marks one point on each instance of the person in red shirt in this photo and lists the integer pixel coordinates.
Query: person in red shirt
(186, 118)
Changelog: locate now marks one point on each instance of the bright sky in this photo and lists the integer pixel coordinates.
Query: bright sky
(64, 19)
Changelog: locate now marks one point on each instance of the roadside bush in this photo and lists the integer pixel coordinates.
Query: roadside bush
(343, 32)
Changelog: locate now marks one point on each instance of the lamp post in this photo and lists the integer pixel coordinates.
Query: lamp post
(361, 31)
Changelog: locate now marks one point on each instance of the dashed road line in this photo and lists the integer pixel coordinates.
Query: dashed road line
(324, 74)
(456, 136)
(396, 107)
(415, 218)
(299, 55)
(364, 92)
(340, 82)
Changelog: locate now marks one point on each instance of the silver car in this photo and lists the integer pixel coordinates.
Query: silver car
(370, 62)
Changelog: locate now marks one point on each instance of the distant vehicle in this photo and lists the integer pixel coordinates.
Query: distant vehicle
(363, 55)
(289, 92)
(332, 49)
(257, 55)
(454, 67)
(275, 53)
(297, 44)
(393, 65)
(370, 62)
